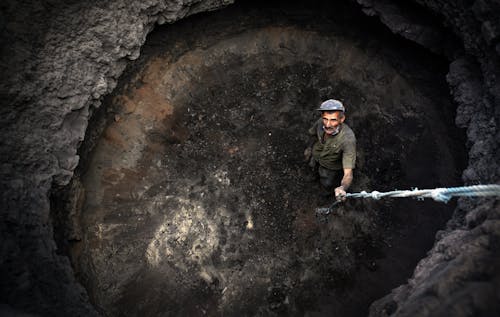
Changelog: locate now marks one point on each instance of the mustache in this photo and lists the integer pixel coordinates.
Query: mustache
(332, 129)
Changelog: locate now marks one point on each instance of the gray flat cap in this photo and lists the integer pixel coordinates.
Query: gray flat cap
(331, 105)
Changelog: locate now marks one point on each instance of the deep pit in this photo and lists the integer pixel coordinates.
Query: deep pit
(192, 197)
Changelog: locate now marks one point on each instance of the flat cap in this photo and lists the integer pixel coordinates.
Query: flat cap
(331, 105)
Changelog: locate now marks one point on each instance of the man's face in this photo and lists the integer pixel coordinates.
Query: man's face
(331, 121)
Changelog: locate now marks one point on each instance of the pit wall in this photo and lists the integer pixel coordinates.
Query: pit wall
(60, 59)
(460, 275)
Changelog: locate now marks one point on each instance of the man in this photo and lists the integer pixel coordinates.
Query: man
(334, 149)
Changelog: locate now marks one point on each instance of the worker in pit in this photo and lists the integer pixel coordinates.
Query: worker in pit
(332, 154)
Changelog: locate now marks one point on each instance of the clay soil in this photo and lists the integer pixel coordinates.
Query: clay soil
(197, 198)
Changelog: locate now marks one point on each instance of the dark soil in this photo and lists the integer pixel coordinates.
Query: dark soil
(198, 201)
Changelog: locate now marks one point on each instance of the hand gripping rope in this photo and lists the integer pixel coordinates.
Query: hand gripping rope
(438, 194)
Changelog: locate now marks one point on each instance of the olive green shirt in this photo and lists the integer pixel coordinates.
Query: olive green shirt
(336, 152)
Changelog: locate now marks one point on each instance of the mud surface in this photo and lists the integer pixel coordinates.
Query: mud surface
(197, 200)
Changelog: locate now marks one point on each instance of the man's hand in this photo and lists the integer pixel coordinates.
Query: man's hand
(340, 193)
(307, 154)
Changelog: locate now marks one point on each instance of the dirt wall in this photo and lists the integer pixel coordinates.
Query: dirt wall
(60, 59)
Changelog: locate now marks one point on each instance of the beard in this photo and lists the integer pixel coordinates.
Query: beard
(332, 131)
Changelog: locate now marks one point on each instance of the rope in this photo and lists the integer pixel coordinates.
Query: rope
(438, 194)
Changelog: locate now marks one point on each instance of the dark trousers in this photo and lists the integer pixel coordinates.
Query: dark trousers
(328, 178)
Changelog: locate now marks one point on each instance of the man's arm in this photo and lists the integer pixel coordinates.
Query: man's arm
(312, 139)
(348, 162)
(340, 191)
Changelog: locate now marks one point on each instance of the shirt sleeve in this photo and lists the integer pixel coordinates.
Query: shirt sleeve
(349, 154)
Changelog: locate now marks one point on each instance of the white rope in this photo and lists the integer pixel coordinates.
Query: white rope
(438, 194)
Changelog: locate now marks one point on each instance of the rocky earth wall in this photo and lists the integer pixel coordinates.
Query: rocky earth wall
(60, 58)
(460, 275)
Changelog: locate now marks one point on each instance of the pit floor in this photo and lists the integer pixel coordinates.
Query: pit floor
(197, 198)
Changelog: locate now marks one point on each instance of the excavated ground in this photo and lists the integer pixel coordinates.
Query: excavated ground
(194, 200)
